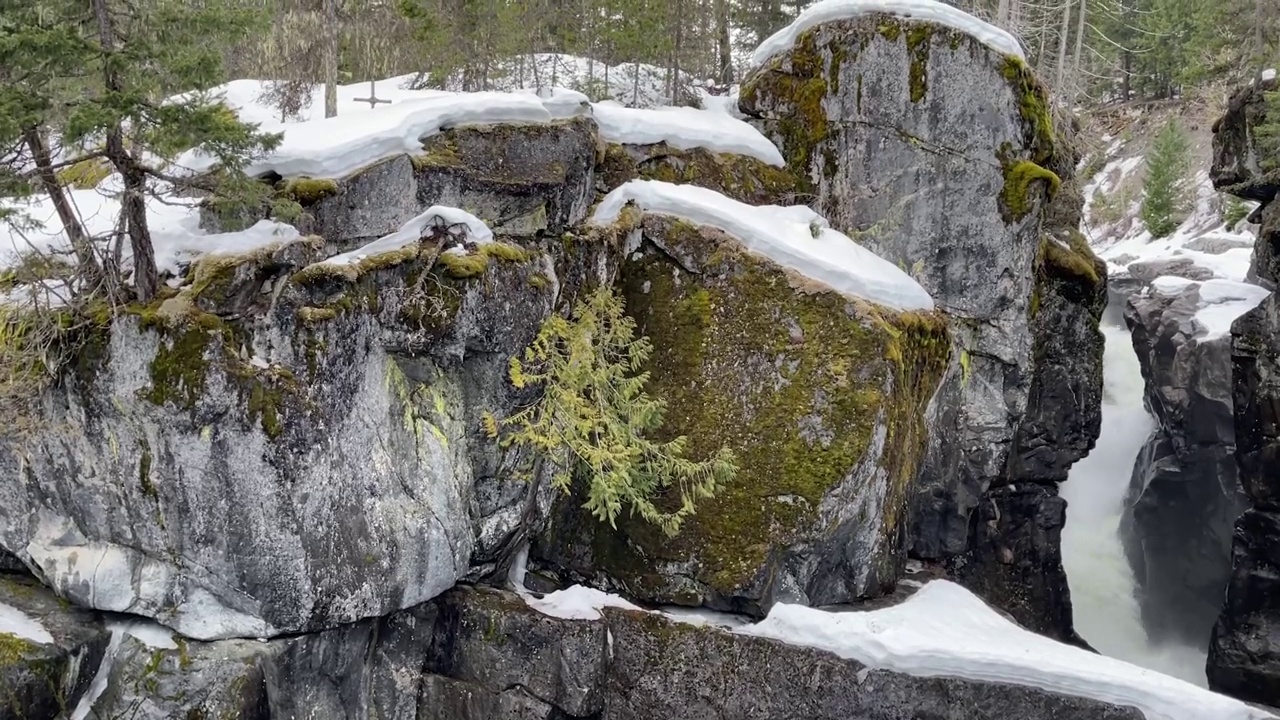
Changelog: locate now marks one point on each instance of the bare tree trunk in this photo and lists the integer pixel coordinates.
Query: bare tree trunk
(70, 220)
(1075, 61)
(330, 58)
(133, 203)
(676, 49)
(1259, 45)
(1063, 35)
(724, 50)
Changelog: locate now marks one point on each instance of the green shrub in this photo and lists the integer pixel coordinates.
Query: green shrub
(1165, 194)
(594, 420)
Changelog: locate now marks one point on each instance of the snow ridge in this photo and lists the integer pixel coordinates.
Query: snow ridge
(795, 237)
(412, 231)
(685, 129)
(927, 10)
(944, 630)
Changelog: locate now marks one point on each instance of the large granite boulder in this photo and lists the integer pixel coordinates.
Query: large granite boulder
(876, 114)
(745, 179)
(821, 397)
(282, 447)
(1184, 496)
(521, 179)
(41, 677)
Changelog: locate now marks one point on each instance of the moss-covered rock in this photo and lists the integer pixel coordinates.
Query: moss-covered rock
(742, 178)
(521, 179)
(821, 397)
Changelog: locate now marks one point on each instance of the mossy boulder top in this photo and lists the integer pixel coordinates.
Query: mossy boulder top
(821, 396)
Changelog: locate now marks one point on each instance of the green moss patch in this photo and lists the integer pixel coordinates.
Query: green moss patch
(308, 191)
(85, 175)
(14, 649)
(918, 39)
(795, 382)
(1015, 198)
(1076, 261)
(798, 78)
(1033, 106)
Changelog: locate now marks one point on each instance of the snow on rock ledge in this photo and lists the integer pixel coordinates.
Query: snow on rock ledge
(944, 630)
(794, 237)
(929, 10)
(685, 129)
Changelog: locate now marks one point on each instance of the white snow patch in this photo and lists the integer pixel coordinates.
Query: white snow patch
(1170, 284)
(576, 603)
(15, 622)
(100, 679)
(928, 10)
(335, 147)
(685, 129)
(944, 630)
(702, 617)
(1268, 75)
(1225, 301)
(794, 237)
(411, 232)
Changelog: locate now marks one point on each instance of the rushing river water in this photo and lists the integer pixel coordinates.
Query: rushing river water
(1102, 584)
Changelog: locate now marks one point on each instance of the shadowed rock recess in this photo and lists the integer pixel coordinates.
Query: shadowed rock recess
(286, 460)
(1244, 652)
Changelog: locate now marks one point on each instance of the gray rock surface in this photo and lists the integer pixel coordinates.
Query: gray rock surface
(1244, 650)
(878, 168)
(40, 680)
(477, 654)
(1148, 270)
(304, 463)
(877, 114)
(1236, 151)
(1184, 496)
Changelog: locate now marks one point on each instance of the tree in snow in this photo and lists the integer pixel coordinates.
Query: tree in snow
(594, 419)
(98, 78)
(1164, 195)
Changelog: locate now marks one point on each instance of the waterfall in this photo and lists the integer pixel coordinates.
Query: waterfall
(1102, 583)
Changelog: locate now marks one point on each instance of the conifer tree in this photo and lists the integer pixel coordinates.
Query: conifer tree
(594, 418)
(102, 77)
(1164, 197)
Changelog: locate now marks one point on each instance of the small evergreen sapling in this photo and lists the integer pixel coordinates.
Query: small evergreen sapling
(594, 419)
(1164, 199)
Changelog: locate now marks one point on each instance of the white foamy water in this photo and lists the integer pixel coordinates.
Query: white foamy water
(1102, 584)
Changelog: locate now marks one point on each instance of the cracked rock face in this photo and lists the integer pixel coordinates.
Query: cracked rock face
(1184, 496)
(304, 462)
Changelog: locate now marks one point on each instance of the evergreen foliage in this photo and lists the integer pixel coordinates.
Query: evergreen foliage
(1269, 134)
(594, 420)
(1164, 195)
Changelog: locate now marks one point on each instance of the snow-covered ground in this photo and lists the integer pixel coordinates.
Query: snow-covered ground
(794, 237)
(685, 129)
(926, 10)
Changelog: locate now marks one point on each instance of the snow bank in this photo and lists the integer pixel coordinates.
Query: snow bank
(927, 10)
(685, 129)
(1268, 75)
(174, 224)
(785, 235)
(412, 231)
(335, 147)
(15, 622)
(944, 630)
(1223, 302)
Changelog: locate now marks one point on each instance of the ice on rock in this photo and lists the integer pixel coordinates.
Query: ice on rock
(928, 10)
(796, 238)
